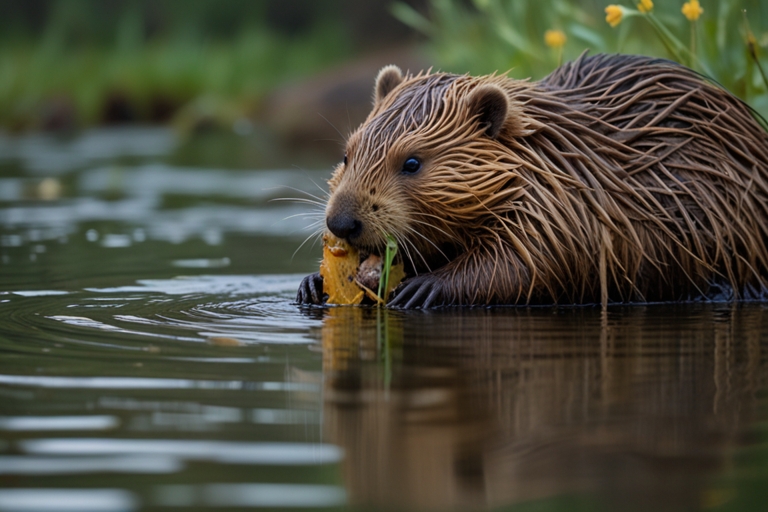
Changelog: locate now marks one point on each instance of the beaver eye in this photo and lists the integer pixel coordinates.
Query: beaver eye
(411, 166)
(345, 159)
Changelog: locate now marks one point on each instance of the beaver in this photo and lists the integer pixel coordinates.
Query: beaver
(615, 179)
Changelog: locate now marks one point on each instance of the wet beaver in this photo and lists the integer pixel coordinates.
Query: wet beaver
(614, 179)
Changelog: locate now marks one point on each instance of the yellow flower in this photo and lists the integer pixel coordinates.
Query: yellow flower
(692, 10)
(555, 38)
(613, 14)
(645, 6)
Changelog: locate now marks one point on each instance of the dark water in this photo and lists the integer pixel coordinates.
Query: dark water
(151, 359)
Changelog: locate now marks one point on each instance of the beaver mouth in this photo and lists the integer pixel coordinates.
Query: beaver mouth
(367, 252)
(368, 255)
(413, 263)
(373, 258)
(366, 249)
(370, 268)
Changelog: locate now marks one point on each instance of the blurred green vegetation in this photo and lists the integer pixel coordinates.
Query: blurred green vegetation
(483, 36)
(73, 63)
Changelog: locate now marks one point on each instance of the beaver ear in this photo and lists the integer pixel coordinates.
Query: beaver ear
(388, 78)
(491, 106)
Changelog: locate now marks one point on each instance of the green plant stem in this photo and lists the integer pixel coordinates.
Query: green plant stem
(753, 55)
(693, 41)
(759, 67)
(389, 257)
(667, 38)
(677, 49)
(752, 48)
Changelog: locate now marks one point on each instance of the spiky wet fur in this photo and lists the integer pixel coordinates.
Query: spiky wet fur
(615, 178)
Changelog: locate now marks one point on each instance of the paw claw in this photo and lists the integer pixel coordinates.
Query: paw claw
(418, 292)
(311, 290)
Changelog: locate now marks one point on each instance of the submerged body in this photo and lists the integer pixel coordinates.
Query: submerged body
(614, 179)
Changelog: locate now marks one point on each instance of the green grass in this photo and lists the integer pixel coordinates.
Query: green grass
(484, 36)
(153, 75)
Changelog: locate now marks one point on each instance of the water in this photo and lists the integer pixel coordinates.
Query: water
(151, 359)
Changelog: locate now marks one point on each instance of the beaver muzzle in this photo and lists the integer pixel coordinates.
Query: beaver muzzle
(344, 226)
(342, 217)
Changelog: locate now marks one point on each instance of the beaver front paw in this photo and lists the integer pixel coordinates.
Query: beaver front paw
(419, 292)
(311, 290)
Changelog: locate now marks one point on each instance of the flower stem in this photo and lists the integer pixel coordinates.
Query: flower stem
(693, 42)
(668, 39)
(677, 49)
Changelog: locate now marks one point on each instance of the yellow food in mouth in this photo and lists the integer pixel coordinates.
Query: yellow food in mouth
(347, 280)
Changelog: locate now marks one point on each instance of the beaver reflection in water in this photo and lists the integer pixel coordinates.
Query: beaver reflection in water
(614, 179)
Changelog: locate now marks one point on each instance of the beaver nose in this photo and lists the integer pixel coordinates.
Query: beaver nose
(344, 226)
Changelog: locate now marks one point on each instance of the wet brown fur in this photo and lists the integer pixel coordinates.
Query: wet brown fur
(614, 179)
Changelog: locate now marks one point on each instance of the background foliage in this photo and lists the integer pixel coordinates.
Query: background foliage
(75, 63)
(483, 36)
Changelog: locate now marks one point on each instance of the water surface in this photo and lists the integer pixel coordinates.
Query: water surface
(151, 359)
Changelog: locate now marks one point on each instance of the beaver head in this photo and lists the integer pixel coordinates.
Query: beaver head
(428, 165)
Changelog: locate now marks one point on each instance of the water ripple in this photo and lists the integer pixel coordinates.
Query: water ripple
(143, 464)
(231, 310)
(252, 495)
(37, 423)
(67, 500)
(228, 452)
(148, 383)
